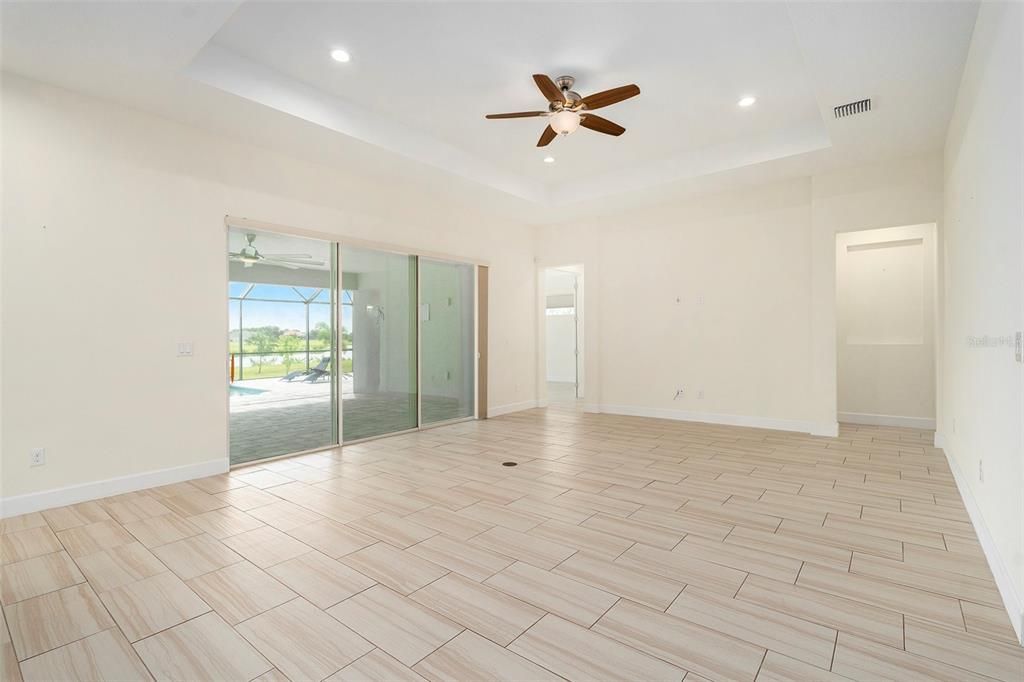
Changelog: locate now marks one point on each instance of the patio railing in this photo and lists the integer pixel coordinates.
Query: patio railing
(253, 365)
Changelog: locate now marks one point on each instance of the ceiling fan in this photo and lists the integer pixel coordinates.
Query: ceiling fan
(249, 255)
(567, 111)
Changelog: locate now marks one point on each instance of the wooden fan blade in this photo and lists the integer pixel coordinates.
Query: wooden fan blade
(603, 99)
(601, 125)
(546, 137)
(518, 114)
(551, 92)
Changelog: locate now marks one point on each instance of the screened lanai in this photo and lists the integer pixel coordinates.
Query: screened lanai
(280, 333)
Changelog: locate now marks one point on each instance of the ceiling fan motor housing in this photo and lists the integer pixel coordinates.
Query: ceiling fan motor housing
(572, 99)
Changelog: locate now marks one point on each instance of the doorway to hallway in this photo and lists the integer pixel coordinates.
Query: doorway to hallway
(563, 334)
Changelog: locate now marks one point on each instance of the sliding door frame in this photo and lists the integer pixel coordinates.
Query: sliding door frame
(335, 316)
(338, 242)
(476, 341)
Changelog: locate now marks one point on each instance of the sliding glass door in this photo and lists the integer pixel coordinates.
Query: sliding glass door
(379, 378)
(281, 304)
(329, 343)
(447, 340)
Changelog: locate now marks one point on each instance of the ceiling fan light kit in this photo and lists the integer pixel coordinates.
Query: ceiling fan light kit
(564, 122)
(567, 110)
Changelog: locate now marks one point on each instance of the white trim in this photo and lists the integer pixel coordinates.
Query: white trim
(72, 494)
(826, 429)
(887, 420)
(726, 419)
(499, 410)
(1004, 579)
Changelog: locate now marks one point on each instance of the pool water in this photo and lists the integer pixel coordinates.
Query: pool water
(242, 390)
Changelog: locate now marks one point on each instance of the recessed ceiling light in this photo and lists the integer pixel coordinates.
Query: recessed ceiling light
(549, 159)
(340, 56)
(747, 101)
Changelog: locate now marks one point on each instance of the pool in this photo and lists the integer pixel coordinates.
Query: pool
(243, 390)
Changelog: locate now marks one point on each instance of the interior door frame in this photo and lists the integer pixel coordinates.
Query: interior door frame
(578, 268)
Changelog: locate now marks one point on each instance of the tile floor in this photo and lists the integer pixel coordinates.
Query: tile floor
(268, 426)
(618, 548)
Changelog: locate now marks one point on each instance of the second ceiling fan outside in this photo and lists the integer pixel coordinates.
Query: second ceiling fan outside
(567, 110)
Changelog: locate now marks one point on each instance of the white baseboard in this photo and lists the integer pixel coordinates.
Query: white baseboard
(1004, 579)
(499, 410)
(59, 497)
(826, 429)
(887, 420)
(725, 419)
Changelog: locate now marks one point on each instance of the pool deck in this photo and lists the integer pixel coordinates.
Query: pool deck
(295, 416)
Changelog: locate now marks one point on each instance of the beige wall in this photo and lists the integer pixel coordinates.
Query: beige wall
(731, 294)
(113, 252)
(885, 298)
(981, 406)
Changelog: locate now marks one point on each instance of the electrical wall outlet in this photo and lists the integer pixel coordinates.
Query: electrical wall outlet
(700, 394)
(678, 395)
(981, 470)
(37, 457)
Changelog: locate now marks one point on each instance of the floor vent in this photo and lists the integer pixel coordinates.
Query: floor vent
(859, 107)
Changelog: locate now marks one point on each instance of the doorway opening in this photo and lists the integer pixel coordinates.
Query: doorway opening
(563, 334)
(885, 326)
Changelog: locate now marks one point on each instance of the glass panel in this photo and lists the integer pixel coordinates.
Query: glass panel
(270, 292)
(378, 343)
(281, 394)
(447, 350)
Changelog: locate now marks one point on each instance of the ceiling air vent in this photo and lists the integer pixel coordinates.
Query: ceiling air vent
(859, 107)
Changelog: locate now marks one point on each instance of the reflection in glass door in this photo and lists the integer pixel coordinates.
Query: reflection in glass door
(280, 345)
(378, 343)
(447, 340)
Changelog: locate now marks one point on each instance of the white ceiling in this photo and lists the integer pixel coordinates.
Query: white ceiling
(423, 75)
(356, 259)
(271, 243)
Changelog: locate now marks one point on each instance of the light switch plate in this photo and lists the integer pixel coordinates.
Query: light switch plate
(185, 349)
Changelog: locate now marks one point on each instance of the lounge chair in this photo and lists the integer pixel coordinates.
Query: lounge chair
(319, 372)
(292, 376)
